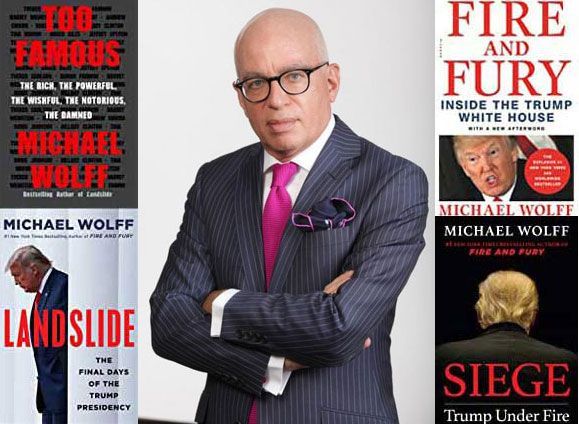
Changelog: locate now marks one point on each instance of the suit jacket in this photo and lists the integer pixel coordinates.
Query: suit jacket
(506, 343)
(51, 362)
(219, 245)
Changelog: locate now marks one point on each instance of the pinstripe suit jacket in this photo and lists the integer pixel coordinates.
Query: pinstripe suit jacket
(219, 245)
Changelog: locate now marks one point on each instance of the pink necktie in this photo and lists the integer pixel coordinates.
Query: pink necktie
(278, 207)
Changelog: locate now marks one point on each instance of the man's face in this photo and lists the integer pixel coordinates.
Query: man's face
(28, 278)
(286, 124)
(490, 163)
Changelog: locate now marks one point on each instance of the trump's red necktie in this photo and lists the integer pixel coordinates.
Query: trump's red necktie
(37, 300)
(276, 213)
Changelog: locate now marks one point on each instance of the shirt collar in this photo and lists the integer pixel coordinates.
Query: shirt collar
(504, 326)
(505, 197)
(307, 158)
(43, 282)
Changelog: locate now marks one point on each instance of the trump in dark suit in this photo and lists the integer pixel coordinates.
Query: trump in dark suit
(33, 271)
(507, 308)
(291, 322)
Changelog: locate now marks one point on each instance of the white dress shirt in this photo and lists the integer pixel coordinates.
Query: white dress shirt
(44, 279)
(275, 377)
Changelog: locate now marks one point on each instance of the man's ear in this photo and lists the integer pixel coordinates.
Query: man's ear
(241, 100)
(333, 81)
(514, 155)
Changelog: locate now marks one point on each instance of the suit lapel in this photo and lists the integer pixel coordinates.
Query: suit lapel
(46, 292)
(248, 211)
(332, 166)
(41, 303)
(43, 298)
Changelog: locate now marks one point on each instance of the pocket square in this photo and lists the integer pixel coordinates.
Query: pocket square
(326, 214)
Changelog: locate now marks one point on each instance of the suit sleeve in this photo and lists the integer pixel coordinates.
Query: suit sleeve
(316, 329)
(180, 328)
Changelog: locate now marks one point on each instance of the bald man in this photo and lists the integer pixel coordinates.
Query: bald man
(283, 279)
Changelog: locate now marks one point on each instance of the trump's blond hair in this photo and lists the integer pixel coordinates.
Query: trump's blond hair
(507, 296)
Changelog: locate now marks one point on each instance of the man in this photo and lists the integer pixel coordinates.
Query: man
(491, 163)
(34, 273)
(486, 167)
(506, 309)
(304, 337)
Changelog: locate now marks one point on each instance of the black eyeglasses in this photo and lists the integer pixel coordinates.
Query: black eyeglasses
(257, 89)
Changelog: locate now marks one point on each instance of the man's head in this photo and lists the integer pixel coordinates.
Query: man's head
(490, 161)
(27, 266)
(271, 43)
(507, 296)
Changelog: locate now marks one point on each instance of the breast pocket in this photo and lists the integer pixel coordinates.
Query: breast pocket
(330, 237)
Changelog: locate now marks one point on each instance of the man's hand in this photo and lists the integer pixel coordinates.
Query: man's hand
(331, 288)
(208, 302)
(289, 365)
(334, 286)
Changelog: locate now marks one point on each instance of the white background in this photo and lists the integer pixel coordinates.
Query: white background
(188, 115)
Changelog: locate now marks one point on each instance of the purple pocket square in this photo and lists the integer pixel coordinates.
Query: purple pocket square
(326, 214)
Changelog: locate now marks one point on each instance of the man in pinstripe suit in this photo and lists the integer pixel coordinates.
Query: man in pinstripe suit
(250, 305)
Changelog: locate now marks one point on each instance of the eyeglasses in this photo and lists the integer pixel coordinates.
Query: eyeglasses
(257, 89)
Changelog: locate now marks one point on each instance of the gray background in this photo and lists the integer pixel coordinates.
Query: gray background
(188, 115)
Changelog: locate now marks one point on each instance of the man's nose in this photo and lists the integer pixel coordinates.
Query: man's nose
(277, 97)
(485, 163)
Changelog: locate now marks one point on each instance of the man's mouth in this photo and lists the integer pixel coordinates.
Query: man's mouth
(491, 180)
(281, 125)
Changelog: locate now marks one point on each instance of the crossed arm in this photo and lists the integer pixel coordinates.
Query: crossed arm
(180, 329)
(314, 329)
(331, 289)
